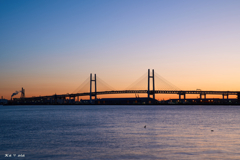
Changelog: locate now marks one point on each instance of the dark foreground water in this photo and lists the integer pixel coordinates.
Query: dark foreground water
(117, 132)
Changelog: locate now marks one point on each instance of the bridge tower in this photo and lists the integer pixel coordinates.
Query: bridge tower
(153, 84)
(91, 80)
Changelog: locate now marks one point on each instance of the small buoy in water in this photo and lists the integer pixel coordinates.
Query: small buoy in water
(212, 130)
(145, 126)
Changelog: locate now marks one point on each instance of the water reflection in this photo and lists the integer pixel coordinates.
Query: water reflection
(117, 132)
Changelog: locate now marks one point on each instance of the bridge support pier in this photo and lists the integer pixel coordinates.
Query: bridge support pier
(204, 96)
(238, 96)
(224, 96)
(180, 96)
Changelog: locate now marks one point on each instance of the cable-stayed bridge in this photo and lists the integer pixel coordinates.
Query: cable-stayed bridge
(150, 90)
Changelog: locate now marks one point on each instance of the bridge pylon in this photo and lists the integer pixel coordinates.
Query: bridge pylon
(153, 84)
(95, 82)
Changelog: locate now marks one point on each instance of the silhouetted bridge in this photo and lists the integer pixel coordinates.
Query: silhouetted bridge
(202, 94)
(150, 92)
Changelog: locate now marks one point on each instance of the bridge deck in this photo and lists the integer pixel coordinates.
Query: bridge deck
(179, 92)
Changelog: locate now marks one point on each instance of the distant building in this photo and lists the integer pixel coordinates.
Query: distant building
(126, 101)
(3, 101)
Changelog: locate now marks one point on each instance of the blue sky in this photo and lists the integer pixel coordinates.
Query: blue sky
(52, 46)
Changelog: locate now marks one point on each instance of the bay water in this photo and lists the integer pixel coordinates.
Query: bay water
(117, 132)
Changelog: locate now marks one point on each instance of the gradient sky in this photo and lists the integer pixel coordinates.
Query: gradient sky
(50, 47)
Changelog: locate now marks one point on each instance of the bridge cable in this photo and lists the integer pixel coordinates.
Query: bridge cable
(167, 84)
(139, 83)
(103, 85)
(82, 86)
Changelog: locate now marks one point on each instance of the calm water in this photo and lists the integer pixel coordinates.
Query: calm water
(117, 132)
